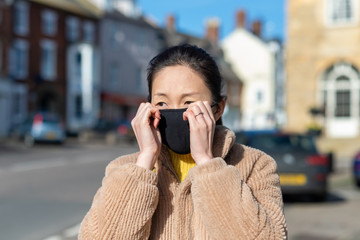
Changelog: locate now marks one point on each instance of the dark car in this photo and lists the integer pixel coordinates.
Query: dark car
(111, 132)
(40, 127)
(302, 169)
(356, 169)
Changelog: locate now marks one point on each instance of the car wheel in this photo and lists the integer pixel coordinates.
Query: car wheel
(29, 140)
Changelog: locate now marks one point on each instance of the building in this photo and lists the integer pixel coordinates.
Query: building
(232, 88)
(277, 49)
(323, 64)
(127, 45)
(254, 62)
(43, 37)
(128, 8)
(13, 94)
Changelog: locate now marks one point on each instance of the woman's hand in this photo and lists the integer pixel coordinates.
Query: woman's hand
(145, 125)
(202, 128)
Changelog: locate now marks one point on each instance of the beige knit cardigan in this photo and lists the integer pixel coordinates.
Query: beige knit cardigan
(234, 196)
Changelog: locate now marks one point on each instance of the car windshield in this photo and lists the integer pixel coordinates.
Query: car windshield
(47, 118)
(273, 142)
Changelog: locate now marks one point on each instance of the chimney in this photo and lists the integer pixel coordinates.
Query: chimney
(240, 19)
(256, 28)
(212, 29)
(170, 22)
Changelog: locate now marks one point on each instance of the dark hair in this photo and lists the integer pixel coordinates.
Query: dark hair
(193, 57)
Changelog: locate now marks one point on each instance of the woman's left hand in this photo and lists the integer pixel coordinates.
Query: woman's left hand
(202, 128)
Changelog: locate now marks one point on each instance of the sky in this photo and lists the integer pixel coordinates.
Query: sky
(191, 15)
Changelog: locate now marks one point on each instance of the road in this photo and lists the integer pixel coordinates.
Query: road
(49, 188)
(45, 191)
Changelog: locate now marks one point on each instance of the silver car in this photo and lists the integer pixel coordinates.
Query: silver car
(41, 127)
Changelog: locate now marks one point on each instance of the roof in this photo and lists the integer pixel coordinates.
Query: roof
(139, 21)
(81, 7)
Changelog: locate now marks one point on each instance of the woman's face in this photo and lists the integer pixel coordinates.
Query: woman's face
(177, 87)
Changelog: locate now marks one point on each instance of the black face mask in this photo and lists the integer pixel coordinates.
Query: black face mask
(175, 132)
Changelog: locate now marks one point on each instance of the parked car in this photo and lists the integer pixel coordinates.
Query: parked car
(41, 127)
(109, 131)
(356, 169)
(302, 169)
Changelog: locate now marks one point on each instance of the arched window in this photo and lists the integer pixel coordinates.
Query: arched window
(340, 91)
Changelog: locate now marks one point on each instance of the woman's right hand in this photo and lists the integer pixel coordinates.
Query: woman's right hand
(145, 125)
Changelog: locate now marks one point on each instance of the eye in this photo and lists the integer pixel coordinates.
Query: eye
(160, 104)
(188, 102)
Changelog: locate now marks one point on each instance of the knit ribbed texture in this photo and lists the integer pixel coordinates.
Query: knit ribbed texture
(182, 163)
(236, 195)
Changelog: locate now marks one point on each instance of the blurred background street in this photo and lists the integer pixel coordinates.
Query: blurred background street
(45, 191)
(73, 73)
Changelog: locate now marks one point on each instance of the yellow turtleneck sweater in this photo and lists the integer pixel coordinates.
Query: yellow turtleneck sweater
(182, 164)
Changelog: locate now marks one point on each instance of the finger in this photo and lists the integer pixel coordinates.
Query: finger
(204, 110)
(194, 108)
(153, 113)
(157, 116)
(199, 112)
(192, 120)
(209, 110)
(142, 109)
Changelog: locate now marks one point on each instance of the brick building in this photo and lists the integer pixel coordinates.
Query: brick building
(38, 40)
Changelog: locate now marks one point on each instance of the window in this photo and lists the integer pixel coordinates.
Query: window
(21, 18)
(339, 91)
(49, 22)
(78, 106)
(325, 101)
(48, 59)
(72, 29)
(114, 75)
(341, 11)
(19, 59)
(342, 103)
(259, 96)
(89, 32)
(78, 66)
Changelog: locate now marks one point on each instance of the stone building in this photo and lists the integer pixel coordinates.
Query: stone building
(323, 64)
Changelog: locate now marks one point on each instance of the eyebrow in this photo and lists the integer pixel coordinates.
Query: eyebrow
(182, 95)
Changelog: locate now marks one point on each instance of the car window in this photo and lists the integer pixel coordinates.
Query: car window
(273, 142)
(50, 119)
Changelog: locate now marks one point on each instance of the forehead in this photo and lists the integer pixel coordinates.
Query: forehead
(178, 78)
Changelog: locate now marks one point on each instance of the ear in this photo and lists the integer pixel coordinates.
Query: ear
(219, 109)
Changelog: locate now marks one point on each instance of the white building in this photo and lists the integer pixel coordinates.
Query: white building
(253, 61)
(83, 87)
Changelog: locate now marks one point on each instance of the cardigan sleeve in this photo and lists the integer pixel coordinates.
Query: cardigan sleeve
(233, 208)
(123, 207)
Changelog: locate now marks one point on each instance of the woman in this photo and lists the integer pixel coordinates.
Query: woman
(189, 180)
